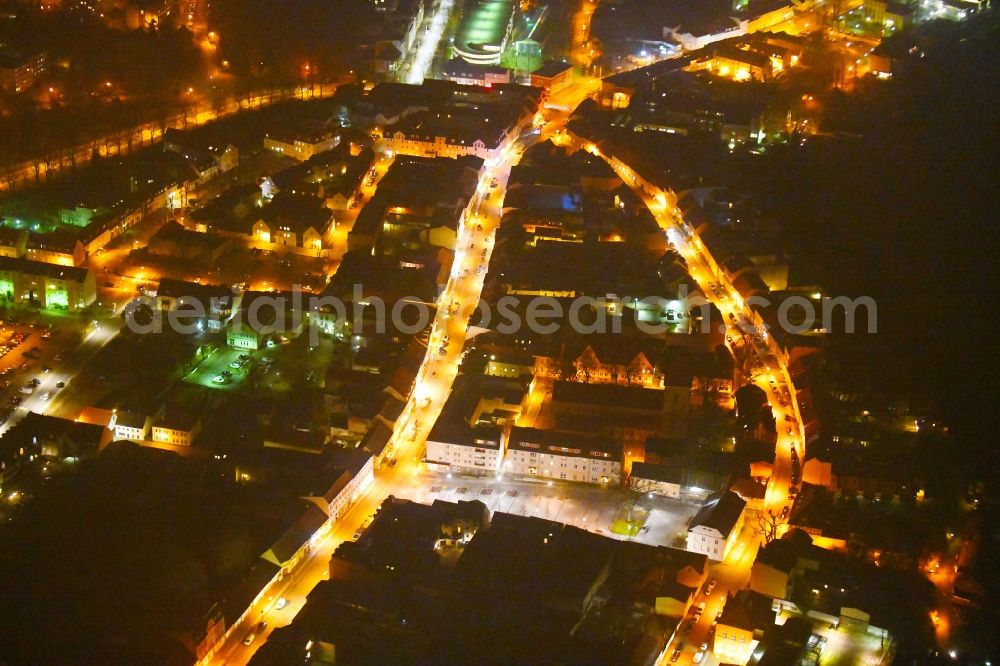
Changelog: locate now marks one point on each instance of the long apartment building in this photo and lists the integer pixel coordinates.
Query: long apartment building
(563, 456)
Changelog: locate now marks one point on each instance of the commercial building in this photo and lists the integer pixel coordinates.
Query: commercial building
(459, 446)
(46, 285)
(759, 57)
(510, 365)
(499, 402)
(716, 526)
(485, 28)
(566, 456)
(358, 474)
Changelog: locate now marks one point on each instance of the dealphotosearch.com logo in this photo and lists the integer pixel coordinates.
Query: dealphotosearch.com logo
(297, 310)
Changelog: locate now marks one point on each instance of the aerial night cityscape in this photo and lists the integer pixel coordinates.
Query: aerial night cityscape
(553, 332)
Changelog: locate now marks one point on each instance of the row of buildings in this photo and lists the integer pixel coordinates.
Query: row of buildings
(446, 119)
(450, 569)
(294, 208)
(596, 429)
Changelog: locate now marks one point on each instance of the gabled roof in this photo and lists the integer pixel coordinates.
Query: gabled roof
(295, 536)
(43, 269)
(748, 610)
(608, 396)
(130, 419)
(554, 442)
(177, 421)
(37, 429)
(661, 473)
(749, 489)
(376, 439)
(720, 514)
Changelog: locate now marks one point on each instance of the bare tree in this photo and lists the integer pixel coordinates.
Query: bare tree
(635, 489)
(767, 526)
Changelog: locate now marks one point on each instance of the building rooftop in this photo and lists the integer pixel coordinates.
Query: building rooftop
(552, 69)
(581, 445)
(483, 28)
(130, 419)
(608, 396)
(43, 269)
(297, 212)
(462, 434)
(173, 288)
(720, 514)
(56, 241)
(177, 421)
(748, 610)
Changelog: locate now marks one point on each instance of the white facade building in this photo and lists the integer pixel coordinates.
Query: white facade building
(302, 144)
(563, 456)
(716, 526)
(460, 447)
(133, 427)
(176, 429)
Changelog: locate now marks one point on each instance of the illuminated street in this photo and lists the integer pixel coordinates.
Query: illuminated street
(434, 381)
(427, 42)
(498, 332)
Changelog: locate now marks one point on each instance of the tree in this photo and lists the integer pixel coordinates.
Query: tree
(635, 489)
(767, 526)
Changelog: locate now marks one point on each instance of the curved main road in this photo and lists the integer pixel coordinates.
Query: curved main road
(742, 323)
(446, 343)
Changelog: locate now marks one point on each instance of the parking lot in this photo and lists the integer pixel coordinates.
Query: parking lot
(588, 507)
(217, 371)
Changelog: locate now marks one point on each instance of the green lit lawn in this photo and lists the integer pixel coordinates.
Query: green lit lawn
(629, 519)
